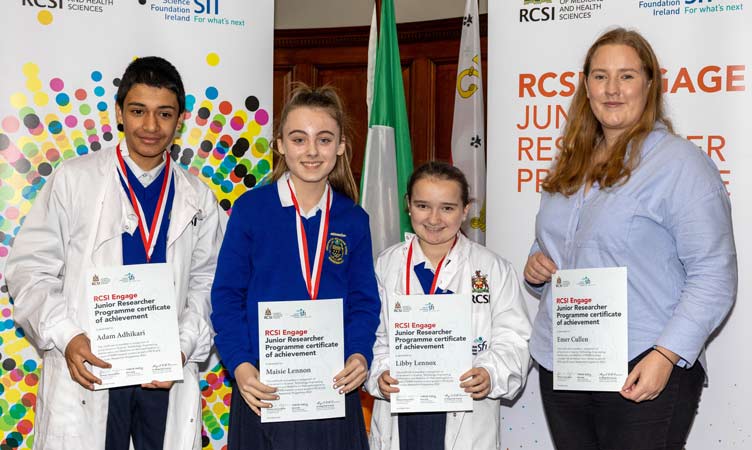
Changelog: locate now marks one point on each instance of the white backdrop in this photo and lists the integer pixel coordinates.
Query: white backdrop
(536, 52)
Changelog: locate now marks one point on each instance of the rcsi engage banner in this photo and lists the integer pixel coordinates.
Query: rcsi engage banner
(536, 51)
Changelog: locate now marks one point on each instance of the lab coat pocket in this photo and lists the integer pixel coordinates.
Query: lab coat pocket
(62, 402)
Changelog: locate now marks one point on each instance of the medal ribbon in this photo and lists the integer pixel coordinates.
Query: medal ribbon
(148, 236)
(312, 278)
(409, 266)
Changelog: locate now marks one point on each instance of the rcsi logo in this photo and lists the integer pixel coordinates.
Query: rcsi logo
(560, 283)
(480, 288)
(96, 281)
(538, 13)
(480, 282)
(268, 314)
(43, 3)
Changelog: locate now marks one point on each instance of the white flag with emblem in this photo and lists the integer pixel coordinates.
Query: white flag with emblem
(468, 131)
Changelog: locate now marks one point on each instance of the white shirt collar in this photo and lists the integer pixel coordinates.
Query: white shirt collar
(145, 177)
(285, 199)
(420, 257)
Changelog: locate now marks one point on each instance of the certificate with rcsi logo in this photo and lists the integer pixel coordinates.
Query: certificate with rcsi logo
(590, 329)
(301, 350)
(133, 324)
(430, 347)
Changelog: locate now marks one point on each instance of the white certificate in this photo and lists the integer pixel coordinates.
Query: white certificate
(133, 324)
(302, 349)
(430, 348)
(590, 329)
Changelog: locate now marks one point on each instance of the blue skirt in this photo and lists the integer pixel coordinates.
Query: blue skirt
(422, 431)
(246, 432)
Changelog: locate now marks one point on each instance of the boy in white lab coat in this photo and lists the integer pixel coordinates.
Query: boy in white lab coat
(99, 210)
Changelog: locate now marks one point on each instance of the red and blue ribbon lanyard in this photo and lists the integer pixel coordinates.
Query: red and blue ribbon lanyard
(312, 277)
(409, 267)
(148, 236)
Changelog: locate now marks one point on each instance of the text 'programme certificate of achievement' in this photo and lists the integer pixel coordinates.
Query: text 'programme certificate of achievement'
(302, 349)
(430, 348)
(133, 324)
(590, 329)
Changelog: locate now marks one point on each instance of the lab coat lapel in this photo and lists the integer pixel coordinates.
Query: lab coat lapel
(184, 206)
(116, 214)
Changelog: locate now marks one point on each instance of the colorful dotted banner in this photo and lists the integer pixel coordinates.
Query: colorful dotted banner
(222, 141)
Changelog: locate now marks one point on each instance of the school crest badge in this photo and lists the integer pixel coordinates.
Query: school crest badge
(480, 283)
(337, 248)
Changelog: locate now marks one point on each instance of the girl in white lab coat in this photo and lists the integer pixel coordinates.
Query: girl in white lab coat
(443, 261)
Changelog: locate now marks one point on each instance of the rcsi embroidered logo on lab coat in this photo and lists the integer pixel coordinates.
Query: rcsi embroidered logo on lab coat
(337, 248)
(480, 288)
(480, 283)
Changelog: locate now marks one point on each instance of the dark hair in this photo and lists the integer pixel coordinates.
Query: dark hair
(326, 98)
(441, 171)
(575, 164)
(155, 72)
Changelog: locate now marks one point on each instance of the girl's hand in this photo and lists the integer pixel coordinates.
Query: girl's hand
(386, 384)
(477, 382)
(539, 268)
(252, 389)
(353, 375)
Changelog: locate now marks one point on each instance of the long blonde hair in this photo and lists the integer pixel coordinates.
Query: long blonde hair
(324, 97)
(575, 165)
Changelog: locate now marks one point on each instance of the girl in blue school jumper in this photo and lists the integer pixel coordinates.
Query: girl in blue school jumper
(271, 232)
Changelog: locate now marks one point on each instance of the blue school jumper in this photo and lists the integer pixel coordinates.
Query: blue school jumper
(259, 261)
(423, 431)
(134, 411)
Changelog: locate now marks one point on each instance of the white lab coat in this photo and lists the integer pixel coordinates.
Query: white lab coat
(76, 223)
(501, 330)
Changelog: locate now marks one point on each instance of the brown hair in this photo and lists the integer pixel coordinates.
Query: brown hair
(575, 164)
(326, 98)
(440, 171)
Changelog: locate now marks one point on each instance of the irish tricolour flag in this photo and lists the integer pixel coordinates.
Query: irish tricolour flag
(388, 160)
